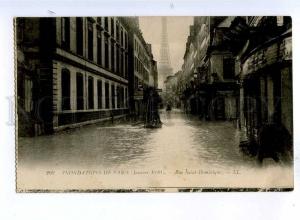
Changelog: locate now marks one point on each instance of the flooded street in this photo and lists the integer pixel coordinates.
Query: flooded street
(183, 140)
(184, 152)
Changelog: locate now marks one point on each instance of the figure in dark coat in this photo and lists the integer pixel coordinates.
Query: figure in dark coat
(274, 142)
(152, 101)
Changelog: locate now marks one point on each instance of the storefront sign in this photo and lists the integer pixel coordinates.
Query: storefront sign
(268, 55)
(286, 49)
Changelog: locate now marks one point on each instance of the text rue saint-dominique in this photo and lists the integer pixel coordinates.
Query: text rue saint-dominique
(185, 171)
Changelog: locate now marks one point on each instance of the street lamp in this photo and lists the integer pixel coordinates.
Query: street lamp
(195, 78)
(195, 75)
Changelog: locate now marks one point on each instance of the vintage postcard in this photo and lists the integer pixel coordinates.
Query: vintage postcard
(154, 104)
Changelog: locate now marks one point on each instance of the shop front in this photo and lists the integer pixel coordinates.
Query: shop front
(267, 86)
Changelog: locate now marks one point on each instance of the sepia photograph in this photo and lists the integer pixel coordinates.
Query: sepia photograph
(154, 104)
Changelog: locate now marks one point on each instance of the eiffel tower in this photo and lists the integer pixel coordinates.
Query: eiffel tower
(164, 64)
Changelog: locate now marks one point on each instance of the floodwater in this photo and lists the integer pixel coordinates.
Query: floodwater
(184, 152)
(183, 140)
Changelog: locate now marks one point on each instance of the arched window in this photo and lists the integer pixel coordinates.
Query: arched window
(65, 90)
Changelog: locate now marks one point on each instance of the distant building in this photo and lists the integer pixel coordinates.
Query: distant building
(142, 67)
(171, 90)
(208, 70)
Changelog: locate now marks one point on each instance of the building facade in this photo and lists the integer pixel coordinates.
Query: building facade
(265, 75)
(70, 72)
(240, 68)
(171, 88)
(142, 68)
(208, 70)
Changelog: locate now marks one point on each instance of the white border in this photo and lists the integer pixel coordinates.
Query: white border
(137, 206)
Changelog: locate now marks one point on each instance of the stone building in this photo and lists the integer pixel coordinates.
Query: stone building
(70, 72)
(240, 68)
(221, 75)
(209, 70)
(265, 73)
(186, 82)
(142, 67)
(154, 73)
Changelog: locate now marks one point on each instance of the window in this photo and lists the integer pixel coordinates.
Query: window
(99, 48)
(138, 65)
(122, 64)
(65, 90)
(117, 31)
(112, 53)
(112, 27)
(113, 96)
(91, 92)
(228, 68)
(79, 91)
(126, 40)
(122, 38)
(99, 93)
(106, 53)
(106, 95)
(117, 60)
(90, 41)
(79, 36)
(118, 96)
(106, 23)
(65, 33)
(122, 97)
(20, 29)
(99, 21)
(126, 66)
(264, 98)
(136, 83)
(126, 97)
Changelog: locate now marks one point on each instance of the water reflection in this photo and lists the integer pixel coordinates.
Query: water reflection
(183, 141)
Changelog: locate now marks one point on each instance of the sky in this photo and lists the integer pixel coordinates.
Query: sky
(178, 31)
